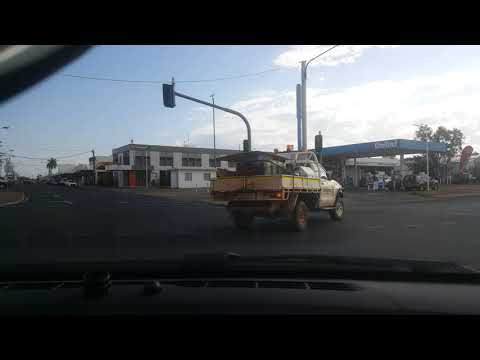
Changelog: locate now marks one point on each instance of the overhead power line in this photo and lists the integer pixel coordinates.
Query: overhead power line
(179, 81)
(46, 159)
(73, 155)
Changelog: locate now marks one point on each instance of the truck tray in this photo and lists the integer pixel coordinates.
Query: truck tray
(264, 183)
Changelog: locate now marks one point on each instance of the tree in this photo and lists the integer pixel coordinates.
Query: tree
(423, 133)
(51, 164)
(453, 139)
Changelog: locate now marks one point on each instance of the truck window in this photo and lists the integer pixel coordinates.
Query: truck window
(323, 173)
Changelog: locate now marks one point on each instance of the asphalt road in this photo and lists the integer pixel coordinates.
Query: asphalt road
(60, 223)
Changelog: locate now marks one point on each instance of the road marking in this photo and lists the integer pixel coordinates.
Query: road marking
(448, 223)
(61, 202)
(462, 214)
(414, 226)
(376, 227)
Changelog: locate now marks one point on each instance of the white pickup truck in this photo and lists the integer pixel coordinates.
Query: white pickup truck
(277, 184)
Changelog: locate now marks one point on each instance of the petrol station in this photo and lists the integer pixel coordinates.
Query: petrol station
(372, 154)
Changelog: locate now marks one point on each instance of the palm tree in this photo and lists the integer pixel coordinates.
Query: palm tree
(51, 164)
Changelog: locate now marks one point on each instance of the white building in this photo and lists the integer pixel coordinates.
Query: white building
(168, 166)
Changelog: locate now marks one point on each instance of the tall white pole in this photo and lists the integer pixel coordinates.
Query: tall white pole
(299, 117)
(428, 171)
(146, 168)
(304, 106)
(214, 142)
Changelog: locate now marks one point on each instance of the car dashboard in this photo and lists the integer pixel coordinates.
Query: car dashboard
(227, 296)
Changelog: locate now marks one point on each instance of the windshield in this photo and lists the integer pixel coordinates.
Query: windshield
(124, 154)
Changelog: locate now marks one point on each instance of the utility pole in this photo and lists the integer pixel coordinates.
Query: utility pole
(299, 117)
(428, 171)
(94, 168)
(428, 168)
(214, 144)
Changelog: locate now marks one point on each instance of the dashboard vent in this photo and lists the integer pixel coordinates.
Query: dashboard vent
(282, 284)
(324, 285)
(34, 286)
(187, 283)
(231, 283)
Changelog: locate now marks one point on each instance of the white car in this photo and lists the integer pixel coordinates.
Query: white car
(69, 183)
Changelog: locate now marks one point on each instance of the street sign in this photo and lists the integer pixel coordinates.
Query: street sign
(168, 95)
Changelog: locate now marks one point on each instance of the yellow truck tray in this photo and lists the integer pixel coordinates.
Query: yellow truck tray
(264, 183)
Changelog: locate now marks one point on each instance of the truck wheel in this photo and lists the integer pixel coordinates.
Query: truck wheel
(300, 216)
(242, 221)
(337, 213)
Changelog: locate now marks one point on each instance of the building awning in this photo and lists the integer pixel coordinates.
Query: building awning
(118, 167)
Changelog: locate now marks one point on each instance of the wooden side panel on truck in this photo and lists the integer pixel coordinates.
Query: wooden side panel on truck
(265, 183)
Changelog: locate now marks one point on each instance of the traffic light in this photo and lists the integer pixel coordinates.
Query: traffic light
(168, 95)
(246, 146)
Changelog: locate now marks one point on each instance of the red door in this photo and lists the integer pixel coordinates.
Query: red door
(132, 179)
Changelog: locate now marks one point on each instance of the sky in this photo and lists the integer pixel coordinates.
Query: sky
(354, 94)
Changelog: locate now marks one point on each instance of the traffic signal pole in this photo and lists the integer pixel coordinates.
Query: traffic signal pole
(169, 97)
(241, 116)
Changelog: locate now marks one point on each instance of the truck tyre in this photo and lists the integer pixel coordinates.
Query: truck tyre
(337, 213)
(300, 216)
(242, 221)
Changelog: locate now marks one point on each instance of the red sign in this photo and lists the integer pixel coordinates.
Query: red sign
(466, 153)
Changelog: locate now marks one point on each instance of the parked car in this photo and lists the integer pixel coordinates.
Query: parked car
(415, 182)
(70, 183)
(53, 182)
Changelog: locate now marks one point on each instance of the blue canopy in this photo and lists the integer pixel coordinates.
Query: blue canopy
(382, 148)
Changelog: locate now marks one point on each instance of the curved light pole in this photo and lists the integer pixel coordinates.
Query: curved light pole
(304, 95)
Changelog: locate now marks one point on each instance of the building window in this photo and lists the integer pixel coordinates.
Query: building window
(191, 162)
(166, 161)
(188, 176)
(211, 163)
(232, 164)
(126, 158)
(206, 176)
(115, 158)
(140, 161)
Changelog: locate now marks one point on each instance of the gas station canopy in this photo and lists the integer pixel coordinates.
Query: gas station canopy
(381, 148)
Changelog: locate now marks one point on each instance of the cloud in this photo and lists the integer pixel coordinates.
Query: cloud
(343, 54)
(372, 111)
